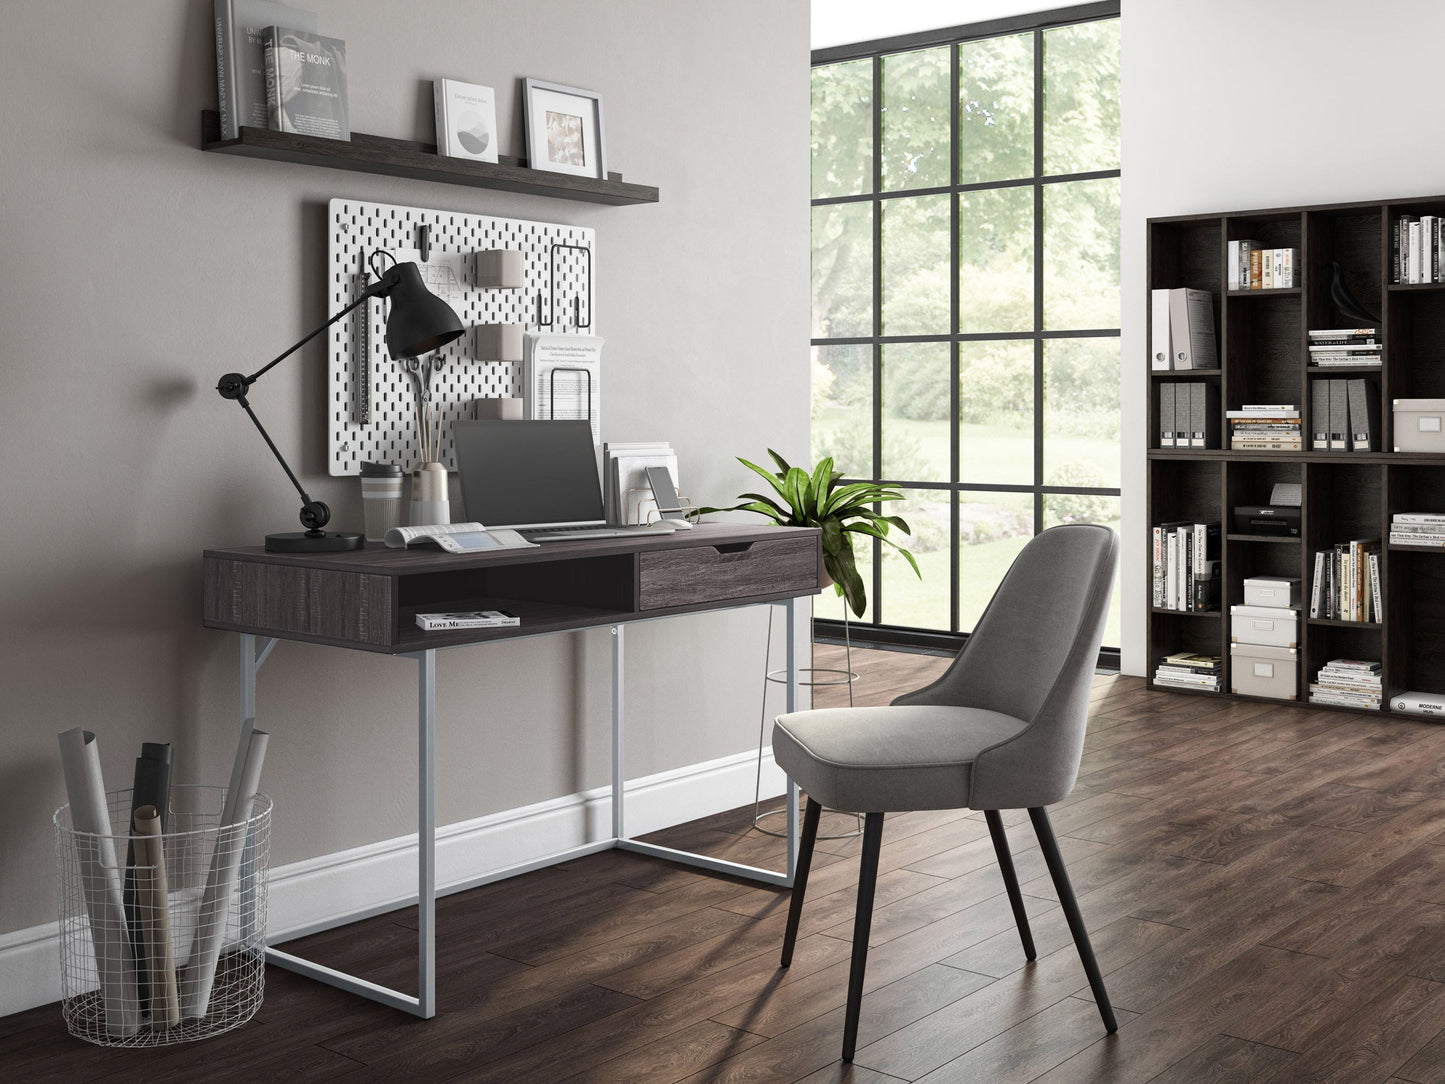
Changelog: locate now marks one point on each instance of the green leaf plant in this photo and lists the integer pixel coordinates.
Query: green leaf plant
(803, 499)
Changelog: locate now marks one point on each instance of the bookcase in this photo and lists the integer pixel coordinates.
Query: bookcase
(1263, 358)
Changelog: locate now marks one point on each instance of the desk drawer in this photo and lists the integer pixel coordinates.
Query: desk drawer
(702, 574)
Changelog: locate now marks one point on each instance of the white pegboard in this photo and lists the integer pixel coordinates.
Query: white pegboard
(356, 229)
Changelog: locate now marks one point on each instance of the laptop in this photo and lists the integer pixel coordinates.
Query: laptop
(538, 478)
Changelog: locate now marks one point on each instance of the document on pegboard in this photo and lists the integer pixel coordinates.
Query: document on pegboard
(562, 375)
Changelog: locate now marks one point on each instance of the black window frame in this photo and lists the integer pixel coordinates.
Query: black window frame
(1037, 23)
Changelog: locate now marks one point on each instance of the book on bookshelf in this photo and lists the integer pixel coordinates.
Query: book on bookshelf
(240, 29)
(1185, 561)
(1415, 243)
(306, 84)
(1346, 582)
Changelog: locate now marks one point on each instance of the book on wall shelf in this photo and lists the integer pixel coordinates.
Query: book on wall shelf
(1345, 346)
(306, 84)
(1417, 529)
(240, 29)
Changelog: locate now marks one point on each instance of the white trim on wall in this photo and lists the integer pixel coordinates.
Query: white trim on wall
(370, 878)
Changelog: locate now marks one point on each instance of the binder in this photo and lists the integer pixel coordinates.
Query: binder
(1166, 415)
(1191, 329)
(1320, 415)
(1232, 266)
(1183, 414)
(1159, 352)
(1203, 416)
(1339, 416)
(1364, 400)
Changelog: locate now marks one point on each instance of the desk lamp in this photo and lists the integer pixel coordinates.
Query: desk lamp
(419, 323)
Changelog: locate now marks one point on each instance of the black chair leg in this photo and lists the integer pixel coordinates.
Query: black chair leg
(1010, 880)
(1060, 875)
(862, 925)
(811, 812)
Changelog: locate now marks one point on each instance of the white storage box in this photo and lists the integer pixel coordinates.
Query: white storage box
(1420, 425)
(1272, 591)
(1261, 670)
(1276, 626)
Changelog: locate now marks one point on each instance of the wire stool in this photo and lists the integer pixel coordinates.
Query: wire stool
(817, 677)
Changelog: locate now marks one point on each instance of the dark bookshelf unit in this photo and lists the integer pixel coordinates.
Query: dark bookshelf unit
(1264, 358)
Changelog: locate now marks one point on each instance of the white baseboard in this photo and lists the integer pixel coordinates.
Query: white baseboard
(306, 893)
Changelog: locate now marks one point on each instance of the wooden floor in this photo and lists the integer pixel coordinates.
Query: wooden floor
(1265, 886)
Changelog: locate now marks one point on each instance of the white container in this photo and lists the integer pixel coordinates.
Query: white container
(1420, 425)
(1261, 670)
(1272, 625)
(1272, 591)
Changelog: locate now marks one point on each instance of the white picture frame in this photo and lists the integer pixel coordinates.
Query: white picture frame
(564, 129)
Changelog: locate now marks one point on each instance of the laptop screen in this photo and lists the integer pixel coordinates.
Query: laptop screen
(528, 474)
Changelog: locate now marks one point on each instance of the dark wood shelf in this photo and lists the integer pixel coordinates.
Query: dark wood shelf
(1280, 291)
(1293, 538)
(1402, 458)
(1402, 548)
(417, 161)
(1341, 370)
(1183, 613)
(1414, 287)
(1335, 623)
(1185, 374)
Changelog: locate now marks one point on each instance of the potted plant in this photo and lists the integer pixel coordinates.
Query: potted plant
(804, 499)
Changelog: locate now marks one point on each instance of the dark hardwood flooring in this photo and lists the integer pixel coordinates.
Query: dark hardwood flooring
(1265, 886)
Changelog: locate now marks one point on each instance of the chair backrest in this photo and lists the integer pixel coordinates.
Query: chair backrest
(1032, 656)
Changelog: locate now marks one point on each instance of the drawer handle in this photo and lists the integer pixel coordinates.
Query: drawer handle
(733, 549)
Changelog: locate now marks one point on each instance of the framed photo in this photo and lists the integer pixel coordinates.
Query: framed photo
(564, 129)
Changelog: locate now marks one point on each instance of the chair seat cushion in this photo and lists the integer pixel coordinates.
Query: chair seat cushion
(887, 759)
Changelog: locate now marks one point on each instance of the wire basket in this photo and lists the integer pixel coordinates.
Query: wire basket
(163, 937)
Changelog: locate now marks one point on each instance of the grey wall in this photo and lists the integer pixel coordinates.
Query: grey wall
(139, 269)
(1205, 131)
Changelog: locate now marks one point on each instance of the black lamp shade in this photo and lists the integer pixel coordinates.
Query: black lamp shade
(420, 322)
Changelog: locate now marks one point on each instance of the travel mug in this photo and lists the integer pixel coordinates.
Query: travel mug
(380, 498)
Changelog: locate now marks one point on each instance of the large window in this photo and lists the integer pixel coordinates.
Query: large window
(966, 295)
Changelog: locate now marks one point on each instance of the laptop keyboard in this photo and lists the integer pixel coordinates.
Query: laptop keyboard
(597, 530)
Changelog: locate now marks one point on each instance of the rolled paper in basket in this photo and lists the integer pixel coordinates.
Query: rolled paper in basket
(100, 877)
(215, 909)
(155, 914)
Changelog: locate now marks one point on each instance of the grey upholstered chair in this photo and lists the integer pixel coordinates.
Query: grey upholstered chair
(1003, 728)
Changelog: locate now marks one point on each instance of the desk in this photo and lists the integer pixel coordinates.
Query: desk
(367, 600)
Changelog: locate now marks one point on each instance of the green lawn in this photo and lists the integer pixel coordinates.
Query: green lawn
(1000, 454)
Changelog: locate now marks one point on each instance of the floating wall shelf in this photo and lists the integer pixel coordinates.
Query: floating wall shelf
(417, 161)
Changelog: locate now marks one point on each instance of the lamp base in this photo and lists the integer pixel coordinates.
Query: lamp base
(314, 542)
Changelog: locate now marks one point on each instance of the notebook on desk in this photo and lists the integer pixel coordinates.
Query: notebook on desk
(538, 478)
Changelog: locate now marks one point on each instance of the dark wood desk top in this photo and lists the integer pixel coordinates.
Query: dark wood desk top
(378, 559)
(368, 599)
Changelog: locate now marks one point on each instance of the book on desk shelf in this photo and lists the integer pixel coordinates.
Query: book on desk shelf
(467, 619)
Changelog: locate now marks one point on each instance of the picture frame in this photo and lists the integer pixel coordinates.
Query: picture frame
(564, 129)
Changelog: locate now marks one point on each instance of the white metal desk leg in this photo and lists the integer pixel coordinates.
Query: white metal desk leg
(426, 833)
(793, 606)
(619, 782)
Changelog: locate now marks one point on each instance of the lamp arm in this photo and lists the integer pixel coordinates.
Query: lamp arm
(376, 289)
(314, 514)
